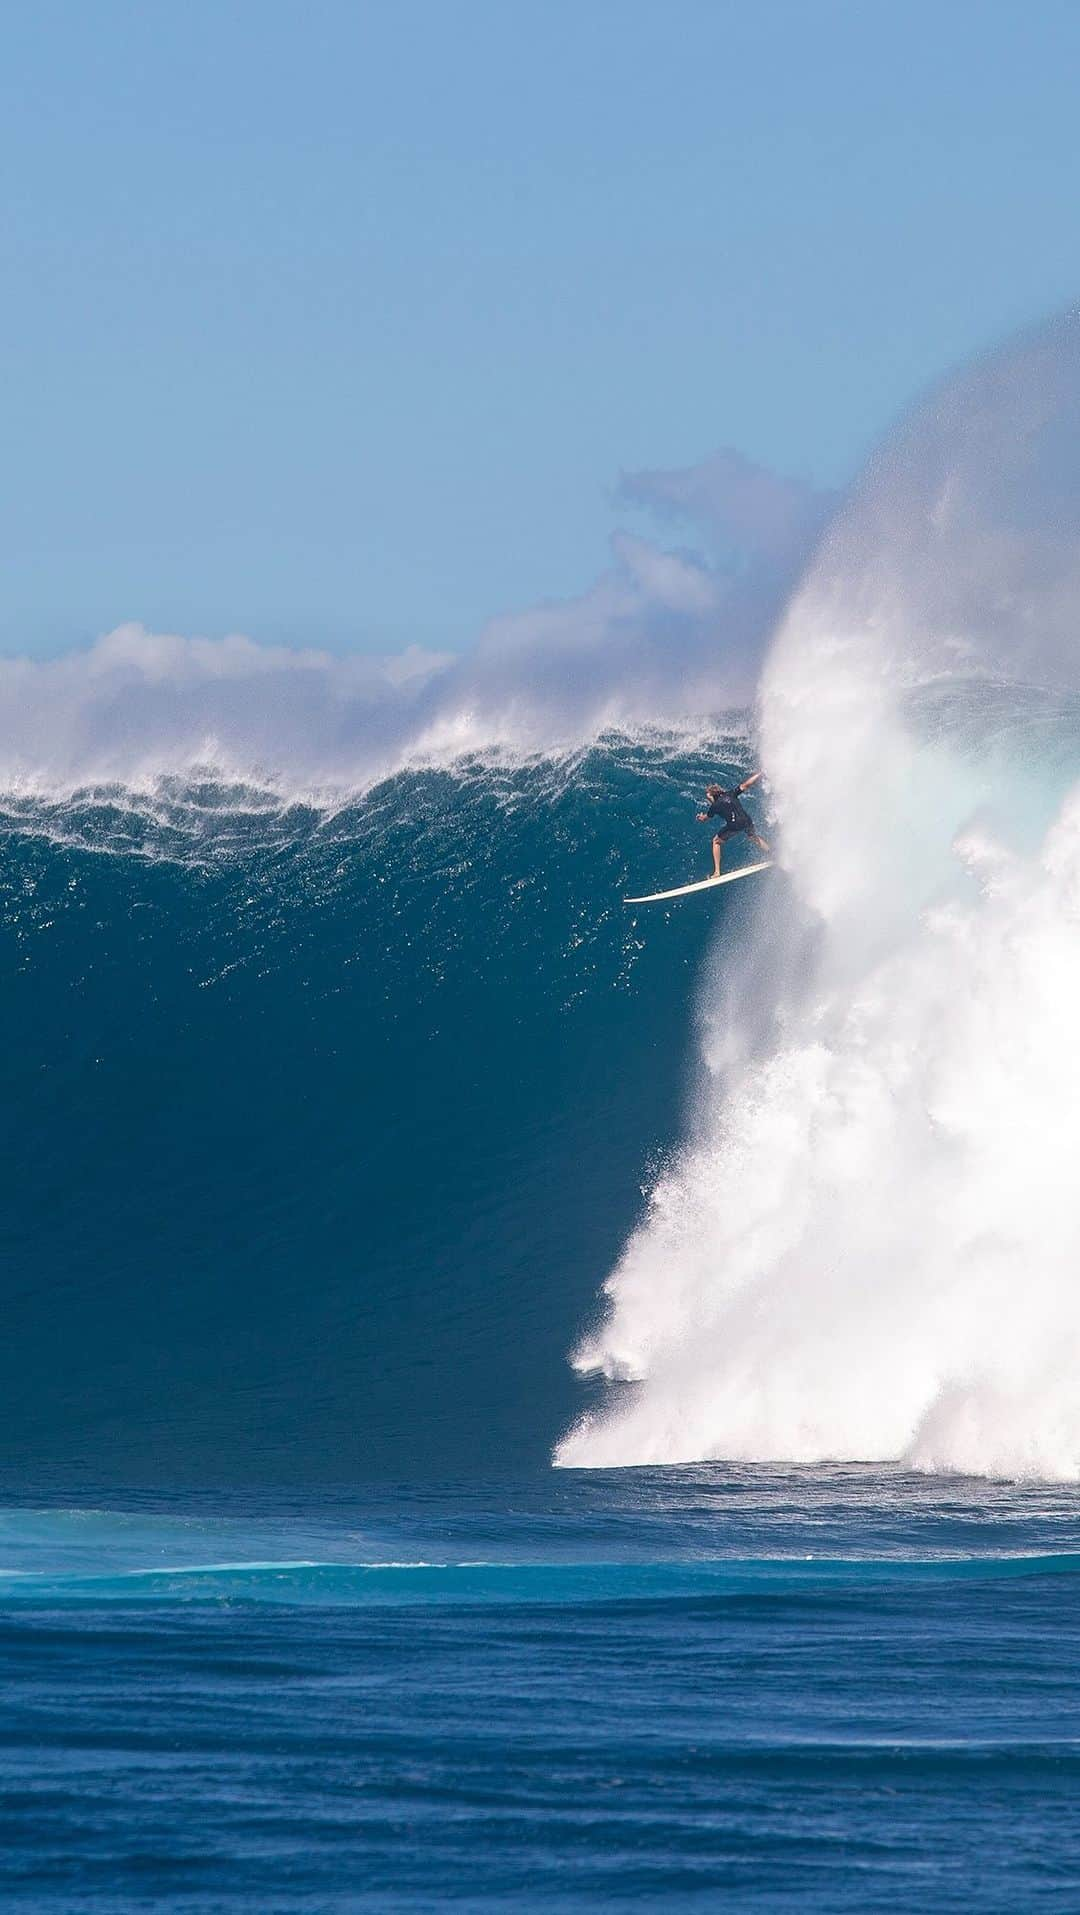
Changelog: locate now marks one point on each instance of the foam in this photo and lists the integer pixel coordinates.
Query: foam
(868, 1247)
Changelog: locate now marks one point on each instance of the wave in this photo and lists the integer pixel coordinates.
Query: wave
(322, 1118)
(523, 1582)
(868, 1246)
(383, 1585)
(698, 1535)
(339, 1074)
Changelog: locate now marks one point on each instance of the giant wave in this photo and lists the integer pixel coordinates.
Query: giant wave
(335, 1066)
(324, 1115)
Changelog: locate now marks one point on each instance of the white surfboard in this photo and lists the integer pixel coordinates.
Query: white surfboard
(703, 884)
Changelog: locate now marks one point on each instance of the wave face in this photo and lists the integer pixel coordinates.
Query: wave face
(323, 1119)
(869, 1246)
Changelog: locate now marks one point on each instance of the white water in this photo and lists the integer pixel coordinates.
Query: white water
(870, 1245)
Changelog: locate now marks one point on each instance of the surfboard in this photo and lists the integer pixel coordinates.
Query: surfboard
(703, 884)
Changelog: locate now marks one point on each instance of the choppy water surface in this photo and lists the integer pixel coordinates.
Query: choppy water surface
(831, 1689)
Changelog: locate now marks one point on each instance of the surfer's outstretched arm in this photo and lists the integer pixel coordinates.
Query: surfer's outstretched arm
(752, 780)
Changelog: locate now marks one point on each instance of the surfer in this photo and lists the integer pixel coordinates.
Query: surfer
(728, 807)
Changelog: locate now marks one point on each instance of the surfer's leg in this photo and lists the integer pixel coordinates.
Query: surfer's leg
(717, 854)
(760, 842)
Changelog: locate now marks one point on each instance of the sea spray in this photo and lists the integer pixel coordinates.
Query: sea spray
(870, 1245)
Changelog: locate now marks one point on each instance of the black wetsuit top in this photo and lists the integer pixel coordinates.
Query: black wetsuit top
(731, 812)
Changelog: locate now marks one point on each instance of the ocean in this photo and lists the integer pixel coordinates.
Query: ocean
(514, 1401)
(826, 1689)
(323, 1128)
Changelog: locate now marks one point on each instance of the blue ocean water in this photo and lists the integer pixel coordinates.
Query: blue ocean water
(322, 1130)
(827, 1689)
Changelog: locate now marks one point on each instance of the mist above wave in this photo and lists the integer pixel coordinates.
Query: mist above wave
(660, 634)
(138, 706)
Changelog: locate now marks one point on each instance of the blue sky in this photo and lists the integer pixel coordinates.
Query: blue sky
(337, 323)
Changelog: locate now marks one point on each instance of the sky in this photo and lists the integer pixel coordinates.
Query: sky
(353, 325)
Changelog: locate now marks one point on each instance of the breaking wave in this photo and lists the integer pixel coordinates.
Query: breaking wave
(335, 1063)
(869, 1246)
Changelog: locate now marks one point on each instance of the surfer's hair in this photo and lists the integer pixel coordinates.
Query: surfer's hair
(711, 791)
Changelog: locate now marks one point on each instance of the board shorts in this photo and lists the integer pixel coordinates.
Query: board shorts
(733, 831)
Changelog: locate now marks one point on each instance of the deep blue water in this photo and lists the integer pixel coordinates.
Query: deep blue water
(321, 1133)
(846, 1689)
